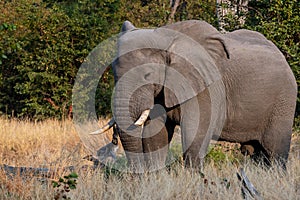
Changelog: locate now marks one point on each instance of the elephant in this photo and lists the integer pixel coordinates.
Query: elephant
(234, 87)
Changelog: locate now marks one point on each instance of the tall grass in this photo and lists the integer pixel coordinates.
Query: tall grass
(55, 144)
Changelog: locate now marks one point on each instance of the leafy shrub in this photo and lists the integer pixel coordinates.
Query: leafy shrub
(65, 185)
(43, 43)
(42, 46)
(219, 154)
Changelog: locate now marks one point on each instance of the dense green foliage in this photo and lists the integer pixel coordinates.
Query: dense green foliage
(44, 42)
(42, 46)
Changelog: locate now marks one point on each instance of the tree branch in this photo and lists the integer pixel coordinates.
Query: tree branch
(174, 5)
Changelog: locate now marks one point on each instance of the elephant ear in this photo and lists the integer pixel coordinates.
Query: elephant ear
(216, 47)
(205, 34)
(192, 67)
(127, 25)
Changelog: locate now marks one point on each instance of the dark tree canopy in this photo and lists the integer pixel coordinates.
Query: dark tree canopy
(43, 43)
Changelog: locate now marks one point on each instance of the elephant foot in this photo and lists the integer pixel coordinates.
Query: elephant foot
(256, 152)
(247, 149)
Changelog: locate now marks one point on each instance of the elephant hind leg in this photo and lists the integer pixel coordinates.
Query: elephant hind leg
(277, 138)
(277, 143)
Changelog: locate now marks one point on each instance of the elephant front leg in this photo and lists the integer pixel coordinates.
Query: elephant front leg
(156, 143)
(195, 121)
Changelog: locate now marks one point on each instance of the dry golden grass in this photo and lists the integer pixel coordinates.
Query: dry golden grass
(55, 144)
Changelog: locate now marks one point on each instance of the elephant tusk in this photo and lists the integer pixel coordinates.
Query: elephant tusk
(142, 118)
(104, 128)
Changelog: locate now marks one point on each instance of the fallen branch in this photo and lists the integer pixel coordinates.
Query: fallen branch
(12, 171)
(106, 154)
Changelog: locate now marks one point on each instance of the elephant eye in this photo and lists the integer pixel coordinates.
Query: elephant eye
(147, 76)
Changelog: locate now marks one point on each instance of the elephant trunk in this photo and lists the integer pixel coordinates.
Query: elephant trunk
(128, 108)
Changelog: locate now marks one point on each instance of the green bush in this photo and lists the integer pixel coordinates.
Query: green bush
(64, 186)
(219, 154)
(43, 43)
(42, 46)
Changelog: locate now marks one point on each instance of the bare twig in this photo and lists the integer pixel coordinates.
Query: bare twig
(52, 103)
(174, 5)
(248, 190)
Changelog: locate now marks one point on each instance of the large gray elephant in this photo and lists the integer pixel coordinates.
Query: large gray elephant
(235, 87)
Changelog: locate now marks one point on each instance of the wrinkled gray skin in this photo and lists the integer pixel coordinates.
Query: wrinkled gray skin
(260, 95)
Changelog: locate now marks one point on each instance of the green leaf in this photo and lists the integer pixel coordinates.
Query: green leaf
(73, 175)
(55, 184)
(72, 187)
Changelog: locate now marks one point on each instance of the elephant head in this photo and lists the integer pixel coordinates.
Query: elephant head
(158, 70)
